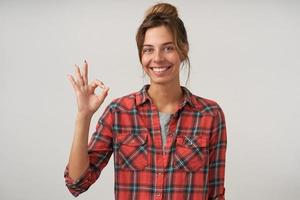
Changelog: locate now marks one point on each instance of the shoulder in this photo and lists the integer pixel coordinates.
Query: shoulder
(126, 102)
(206, 105)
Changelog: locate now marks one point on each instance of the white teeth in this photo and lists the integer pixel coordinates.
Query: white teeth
(159, 69)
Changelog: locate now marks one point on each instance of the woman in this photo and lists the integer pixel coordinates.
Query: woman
(167, 142)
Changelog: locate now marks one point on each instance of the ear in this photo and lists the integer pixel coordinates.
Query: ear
(186, 49)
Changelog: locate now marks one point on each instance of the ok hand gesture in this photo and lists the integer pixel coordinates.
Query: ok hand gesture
(87, 101)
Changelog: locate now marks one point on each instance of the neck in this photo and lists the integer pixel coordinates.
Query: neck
(166, 97)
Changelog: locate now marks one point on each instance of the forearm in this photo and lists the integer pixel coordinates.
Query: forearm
(79, 159)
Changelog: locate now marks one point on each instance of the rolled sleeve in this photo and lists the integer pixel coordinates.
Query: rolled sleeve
(78, 186)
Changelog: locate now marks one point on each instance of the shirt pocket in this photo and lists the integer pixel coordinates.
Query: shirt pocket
(191, 152)
(132, 153)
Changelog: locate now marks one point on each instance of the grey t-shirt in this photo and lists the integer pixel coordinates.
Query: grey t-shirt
(164, 119)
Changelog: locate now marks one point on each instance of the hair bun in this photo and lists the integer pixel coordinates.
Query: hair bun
(162, 8)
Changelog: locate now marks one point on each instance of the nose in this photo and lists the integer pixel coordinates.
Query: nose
(158, 56)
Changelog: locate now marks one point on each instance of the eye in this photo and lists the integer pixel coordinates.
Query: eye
(169, 48)
(147, 50)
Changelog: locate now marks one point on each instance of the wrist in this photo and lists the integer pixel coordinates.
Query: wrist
(84, 116)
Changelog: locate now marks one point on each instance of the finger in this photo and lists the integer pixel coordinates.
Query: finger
(85, 73)
(103, 94)
(97, 83)
(78, 76)
(72, 81)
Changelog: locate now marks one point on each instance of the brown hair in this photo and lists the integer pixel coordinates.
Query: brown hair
(164, 14)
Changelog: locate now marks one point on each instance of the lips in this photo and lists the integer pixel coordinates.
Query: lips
(160, 70)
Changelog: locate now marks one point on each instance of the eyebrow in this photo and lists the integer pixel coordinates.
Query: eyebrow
(164, 44)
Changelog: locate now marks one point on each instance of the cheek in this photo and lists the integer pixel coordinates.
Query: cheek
(175, 59)
(145, 61)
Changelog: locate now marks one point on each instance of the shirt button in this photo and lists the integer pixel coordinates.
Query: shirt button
(158, 194)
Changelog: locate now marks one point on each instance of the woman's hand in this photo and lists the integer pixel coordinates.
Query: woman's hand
(87, 101)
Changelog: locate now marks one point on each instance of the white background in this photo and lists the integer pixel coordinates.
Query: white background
(244, 55)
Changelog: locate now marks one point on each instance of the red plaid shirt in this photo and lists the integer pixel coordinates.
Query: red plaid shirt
(192, 166)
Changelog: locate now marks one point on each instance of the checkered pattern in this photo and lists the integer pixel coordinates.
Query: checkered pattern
(192, 167)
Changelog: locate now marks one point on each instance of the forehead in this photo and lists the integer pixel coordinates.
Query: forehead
(158, 35)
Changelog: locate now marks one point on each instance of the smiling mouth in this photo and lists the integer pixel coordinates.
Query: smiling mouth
(160, 69)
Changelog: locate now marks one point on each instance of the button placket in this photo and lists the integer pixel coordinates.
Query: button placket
(159, 184)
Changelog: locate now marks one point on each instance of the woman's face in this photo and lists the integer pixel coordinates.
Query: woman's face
(160, 58)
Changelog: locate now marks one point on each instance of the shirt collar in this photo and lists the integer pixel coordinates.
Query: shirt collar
(142, 96)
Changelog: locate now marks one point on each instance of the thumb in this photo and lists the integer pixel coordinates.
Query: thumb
(103, 94)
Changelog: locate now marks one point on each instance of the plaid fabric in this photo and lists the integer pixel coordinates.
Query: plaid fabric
(192, 167)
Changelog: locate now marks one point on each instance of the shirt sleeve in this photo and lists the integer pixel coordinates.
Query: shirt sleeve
(217, 156)
(99, 151)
